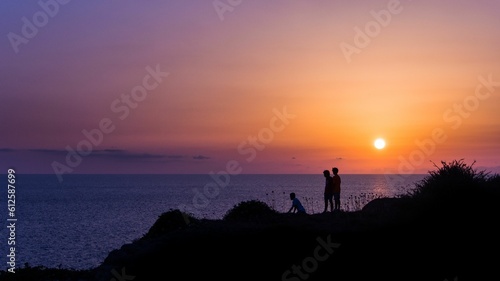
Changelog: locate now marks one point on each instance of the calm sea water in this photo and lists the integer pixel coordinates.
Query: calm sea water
(75, 224)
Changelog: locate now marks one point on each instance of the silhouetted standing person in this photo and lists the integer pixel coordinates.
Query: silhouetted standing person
(328, 194)
(296, 205)
(336, 188)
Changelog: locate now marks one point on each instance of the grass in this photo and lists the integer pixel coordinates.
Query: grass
(355, 203)
(313, 205)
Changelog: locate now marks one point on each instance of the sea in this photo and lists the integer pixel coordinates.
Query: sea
(74, 224)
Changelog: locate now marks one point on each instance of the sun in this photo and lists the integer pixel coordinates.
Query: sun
(379, 143)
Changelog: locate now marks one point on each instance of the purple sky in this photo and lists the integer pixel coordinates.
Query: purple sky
(181, 86)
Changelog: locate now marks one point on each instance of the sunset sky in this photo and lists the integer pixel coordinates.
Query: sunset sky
(274, 86)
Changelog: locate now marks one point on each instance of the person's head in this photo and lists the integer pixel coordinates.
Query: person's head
(326, 173)
(292, 196)
(335, 170)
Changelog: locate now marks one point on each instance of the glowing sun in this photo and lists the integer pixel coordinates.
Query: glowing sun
(379, 143)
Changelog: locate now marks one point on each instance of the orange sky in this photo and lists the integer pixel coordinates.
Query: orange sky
(418, 74)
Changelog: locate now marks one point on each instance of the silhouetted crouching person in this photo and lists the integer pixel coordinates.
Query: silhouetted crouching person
(336, 188)
(296, 205)
(328, 193)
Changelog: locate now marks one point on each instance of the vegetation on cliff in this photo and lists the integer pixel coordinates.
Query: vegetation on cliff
(445, 228)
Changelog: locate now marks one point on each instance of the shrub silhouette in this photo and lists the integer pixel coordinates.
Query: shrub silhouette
(455, 185)
(249, 210)
(169, 221)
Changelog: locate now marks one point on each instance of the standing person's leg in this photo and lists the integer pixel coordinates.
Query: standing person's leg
(326, 203)
(336, 197)
(339, 201)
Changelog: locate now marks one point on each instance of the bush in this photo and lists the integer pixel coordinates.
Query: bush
(249, 210)
(454, 184)
(169, 221)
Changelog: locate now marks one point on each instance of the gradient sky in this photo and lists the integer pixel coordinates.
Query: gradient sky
(274, 86)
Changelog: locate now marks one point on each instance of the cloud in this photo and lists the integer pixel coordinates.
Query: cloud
(124, 154)
(111, 154)
(41, 150)
(201, 157)
(116, 154)
(175, 156)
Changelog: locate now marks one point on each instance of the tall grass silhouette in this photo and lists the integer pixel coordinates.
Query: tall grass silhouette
(355, 203)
